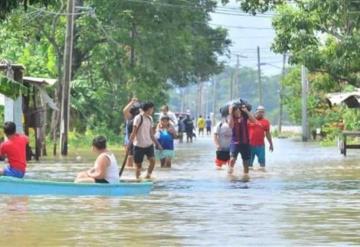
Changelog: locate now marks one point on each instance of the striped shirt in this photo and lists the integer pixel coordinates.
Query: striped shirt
(240, 132)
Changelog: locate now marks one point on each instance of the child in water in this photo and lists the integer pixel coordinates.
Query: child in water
(165, 134)
(222, 140)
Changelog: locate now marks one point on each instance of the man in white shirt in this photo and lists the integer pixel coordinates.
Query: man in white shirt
(143, 139)
(166, 112)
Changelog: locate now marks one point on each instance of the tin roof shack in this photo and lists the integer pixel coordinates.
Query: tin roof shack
(26, 104)
(351, 100)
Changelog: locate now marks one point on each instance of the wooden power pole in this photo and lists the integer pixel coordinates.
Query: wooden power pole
(259, 78)
(65, 102)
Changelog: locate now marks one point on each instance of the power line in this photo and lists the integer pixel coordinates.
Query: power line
(90, 11)
(222, 12)
(241, 27)
(58, 13)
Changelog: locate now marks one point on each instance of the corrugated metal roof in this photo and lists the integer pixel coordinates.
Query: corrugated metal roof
(39, 81)
(350, 99)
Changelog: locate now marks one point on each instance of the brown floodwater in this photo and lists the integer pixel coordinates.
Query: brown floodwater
(310, 196)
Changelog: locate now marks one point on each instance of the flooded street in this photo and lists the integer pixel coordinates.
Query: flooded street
(309, 196)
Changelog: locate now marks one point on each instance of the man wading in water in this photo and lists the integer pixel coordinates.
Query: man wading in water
(258, 131)
(143, 139)
(238, 121)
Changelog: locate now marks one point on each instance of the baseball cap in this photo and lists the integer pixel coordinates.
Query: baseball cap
(260, 108)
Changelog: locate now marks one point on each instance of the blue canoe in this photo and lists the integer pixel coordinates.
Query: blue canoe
(15, 186)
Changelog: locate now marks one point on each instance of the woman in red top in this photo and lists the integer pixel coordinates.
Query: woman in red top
(257, 133)
(14, 148)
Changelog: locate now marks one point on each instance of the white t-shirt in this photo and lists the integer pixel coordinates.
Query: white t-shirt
(143, 136)
(225, 134)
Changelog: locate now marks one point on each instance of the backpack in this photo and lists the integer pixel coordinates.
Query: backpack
(130, 124)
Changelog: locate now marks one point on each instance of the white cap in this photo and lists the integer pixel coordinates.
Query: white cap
(260, 108)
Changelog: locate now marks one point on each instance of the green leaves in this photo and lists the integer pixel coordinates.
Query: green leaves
(257, 6)
(127, 48)
(6, 6)
(322, 35)
(11, 88)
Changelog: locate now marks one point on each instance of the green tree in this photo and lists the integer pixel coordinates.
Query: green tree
(6, 6)
(121, 49)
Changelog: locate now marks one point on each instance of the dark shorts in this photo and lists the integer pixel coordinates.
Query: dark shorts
(208, 129)
(222, 158)
(101, 181)
(139, 153)
(201, 129)
(223, 155)
(243, 149)
(189, 134)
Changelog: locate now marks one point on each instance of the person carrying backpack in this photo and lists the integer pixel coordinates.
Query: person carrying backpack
(142, 137)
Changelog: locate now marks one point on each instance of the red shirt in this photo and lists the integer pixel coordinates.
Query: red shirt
(15, 150)
(257, 132)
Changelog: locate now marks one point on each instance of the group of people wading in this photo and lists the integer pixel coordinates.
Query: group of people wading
(239, 132)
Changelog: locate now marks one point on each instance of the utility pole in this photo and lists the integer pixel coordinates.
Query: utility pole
(304, 92)
(201, 112)
(214, 84)
(207, 99)
(259, 78)
(199, 98)
(281, 94)
(182, 102)
(214, 94)
(237, 86)
(234, 83)
(65, 103)
(231, 86)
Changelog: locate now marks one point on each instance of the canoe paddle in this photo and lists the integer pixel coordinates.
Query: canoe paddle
(124, 162)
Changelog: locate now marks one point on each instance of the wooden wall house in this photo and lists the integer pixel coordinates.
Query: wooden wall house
(29, 106)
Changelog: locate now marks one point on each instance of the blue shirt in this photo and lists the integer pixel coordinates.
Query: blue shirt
(208, 123)
(166, 140)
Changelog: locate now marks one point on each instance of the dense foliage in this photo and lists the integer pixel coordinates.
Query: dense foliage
(122, 49)
(323, 36)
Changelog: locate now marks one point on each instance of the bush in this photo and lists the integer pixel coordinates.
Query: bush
(85, 140)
